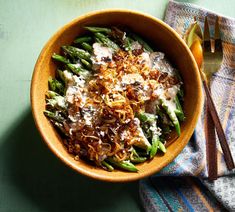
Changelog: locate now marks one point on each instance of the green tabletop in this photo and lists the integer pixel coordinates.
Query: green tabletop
(31, 177)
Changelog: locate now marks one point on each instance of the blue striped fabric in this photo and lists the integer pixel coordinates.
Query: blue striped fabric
(175, 187)
(177, 194)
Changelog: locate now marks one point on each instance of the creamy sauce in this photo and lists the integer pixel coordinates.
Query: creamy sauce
(144, 141)
(61, 102)
(170, 95)
(146, 59)
(100, 52)
(132, 78)
(73, 80)
(136, 45)
(158, 61)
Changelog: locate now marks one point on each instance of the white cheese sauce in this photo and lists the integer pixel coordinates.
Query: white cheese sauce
(100, 52)
(145, 59)
(170, 95)
(143, 141)
(131, 79)
(159, 62)
(136, 45)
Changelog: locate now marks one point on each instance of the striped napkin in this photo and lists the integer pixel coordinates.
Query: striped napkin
(182, 185)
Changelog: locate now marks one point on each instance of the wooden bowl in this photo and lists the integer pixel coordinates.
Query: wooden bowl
(160, 36)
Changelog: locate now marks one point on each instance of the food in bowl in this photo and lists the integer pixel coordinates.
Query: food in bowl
(114, 99)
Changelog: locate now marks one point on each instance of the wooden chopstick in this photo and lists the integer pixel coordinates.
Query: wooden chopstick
(211, 150)
(209, 48)
(209, 125)
(220, 132)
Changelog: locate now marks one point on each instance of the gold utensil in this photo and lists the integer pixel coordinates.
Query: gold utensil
(209, 70)
(212, 60)
(193, 38)
(212, 50)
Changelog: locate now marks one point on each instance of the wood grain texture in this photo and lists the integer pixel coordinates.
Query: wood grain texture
(220, 132)
(211, 150)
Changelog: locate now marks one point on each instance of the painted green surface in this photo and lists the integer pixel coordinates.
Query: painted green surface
(31, 178)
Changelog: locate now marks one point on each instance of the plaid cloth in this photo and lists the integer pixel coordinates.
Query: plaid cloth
(160, 193)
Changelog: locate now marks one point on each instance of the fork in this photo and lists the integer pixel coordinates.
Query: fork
(209, 70)
(213, 55)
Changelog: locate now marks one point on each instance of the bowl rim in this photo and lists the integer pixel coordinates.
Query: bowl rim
(37, 118)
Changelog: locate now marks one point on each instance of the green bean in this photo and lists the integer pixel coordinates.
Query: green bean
(178, 105)
(54, 104)
(99, 29)
(54, 115)
(106, 41)
(139, 160)
(56, 86)
(136, 158)
(142, 42)
(60, 58)
(151, 119)
(83, 39)
(52, 94)
(56, 101)
(87, 46)
(126, 165)
(77, 70)
(147, 131)
(127, 43)
(52, 84)
(86, 63)
(146, 117)
(164, 119)
(162, 147)
(60, 74)
(155, 143)
(98, 40)
(179, 111)
(179, 114)
(107, 165)
(142, 143)
(171, 114)
(75, 52)
(135, 153)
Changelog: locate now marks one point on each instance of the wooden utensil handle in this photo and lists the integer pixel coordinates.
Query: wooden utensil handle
(211, 150)
(220, 132)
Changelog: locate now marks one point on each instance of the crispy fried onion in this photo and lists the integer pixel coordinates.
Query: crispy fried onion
(116, 92)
